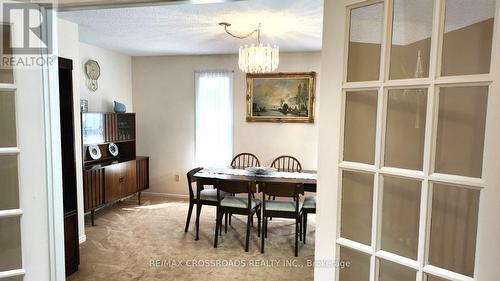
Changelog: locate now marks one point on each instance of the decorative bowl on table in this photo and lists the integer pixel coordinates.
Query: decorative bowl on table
(261, 170)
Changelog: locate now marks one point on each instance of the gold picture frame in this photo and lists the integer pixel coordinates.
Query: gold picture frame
(281, 97)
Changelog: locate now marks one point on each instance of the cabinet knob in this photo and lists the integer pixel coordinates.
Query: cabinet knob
(122, 179)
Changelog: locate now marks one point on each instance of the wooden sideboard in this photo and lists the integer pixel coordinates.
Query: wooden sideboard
(111, 178)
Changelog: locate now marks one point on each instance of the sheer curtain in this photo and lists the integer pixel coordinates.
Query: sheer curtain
(214, 118)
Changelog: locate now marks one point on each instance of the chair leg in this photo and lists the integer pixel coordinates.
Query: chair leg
(258, 223)
(300, 227)
(249, 217)
(188, 220)
(251, 221)
(264, 230)
(217, 225)
(305, 227)
(265, 222)
(296, 236)
(225, 223)
(230, 215)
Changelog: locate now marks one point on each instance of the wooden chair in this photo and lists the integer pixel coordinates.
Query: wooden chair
(246, 206)
(309, 207)
(245, 160)
(207, 196)
(282, 209)
(287, 163)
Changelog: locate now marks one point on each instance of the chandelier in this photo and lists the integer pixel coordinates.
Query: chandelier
(258, 58)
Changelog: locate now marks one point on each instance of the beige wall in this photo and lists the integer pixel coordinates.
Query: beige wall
(163, 97)
(115, 82)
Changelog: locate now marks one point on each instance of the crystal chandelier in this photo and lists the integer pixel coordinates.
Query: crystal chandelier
(258, 58)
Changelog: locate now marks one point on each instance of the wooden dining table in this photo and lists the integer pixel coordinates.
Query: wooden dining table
(210, 178)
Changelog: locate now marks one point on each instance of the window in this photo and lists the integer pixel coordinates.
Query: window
(214, 118)
(415, 97)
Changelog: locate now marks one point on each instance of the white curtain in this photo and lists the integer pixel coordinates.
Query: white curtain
(214, 118)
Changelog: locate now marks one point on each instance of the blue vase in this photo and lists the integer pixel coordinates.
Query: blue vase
(119, 107)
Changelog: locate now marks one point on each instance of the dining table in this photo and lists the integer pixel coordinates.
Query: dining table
(210, 176)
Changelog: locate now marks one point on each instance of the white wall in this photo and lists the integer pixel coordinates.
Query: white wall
(163, 97)
(115, 83)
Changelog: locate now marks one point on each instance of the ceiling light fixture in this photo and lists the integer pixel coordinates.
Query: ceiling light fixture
(258, 58)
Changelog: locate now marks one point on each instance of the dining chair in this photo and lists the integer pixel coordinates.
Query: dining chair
(242, 161)
(246, 206)
(286, 163)
(245, 160)
(207, 196)
(281, 209)
(309, 207)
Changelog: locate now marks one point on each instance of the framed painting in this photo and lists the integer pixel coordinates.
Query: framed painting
(281, 97)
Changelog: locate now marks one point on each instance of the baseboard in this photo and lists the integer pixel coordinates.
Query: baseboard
(82, 238)
(167, 195)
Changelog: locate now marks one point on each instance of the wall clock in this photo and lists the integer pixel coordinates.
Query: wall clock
(93, 71)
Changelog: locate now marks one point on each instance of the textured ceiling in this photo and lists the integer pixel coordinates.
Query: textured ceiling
(294, 25)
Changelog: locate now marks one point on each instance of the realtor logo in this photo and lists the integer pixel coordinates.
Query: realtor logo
(33, 29)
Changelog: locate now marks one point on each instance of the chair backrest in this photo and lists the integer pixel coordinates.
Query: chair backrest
(237, 186)
(244, 160)
(281, 189)
(287, 163)
(191, 179)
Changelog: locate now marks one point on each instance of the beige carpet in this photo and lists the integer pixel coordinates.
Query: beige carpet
(148, 242)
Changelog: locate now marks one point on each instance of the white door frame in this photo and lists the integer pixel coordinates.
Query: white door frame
(333, 66)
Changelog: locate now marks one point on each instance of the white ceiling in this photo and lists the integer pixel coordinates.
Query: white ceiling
(294, 25)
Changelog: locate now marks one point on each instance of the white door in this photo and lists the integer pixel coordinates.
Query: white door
(27, 232)
(414, 91)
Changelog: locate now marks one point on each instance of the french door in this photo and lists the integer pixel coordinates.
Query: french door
(31, 220)
(417, 81)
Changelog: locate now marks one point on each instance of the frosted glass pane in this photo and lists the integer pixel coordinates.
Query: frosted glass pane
(460, 132)
(6, 74)
(434, 278)
(405, 128)
(468, 34)
(9, 186)
(7, 119)
(400, 216)
(15, 278)
(390, 271)
(359, 265)
(10, 244)
(453, 228)
(360, 126)
(411, 39)
(365, 41)
(357, 202)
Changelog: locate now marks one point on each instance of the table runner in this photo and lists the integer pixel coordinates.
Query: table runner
(240, 172)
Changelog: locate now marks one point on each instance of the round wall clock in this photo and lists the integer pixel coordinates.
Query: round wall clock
(93, 71)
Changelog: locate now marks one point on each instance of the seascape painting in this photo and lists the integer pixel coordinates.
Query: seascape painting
(280, 97)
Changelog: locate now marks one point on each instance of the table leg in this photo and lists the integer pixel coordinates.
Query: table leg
(198, 209)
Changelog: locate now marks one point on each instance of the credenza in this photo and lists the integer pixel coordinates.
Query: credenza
(111, 178)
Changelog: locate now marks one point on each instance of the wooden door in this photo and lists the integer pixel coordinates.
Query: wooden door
(113, 178)
(129, 174)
